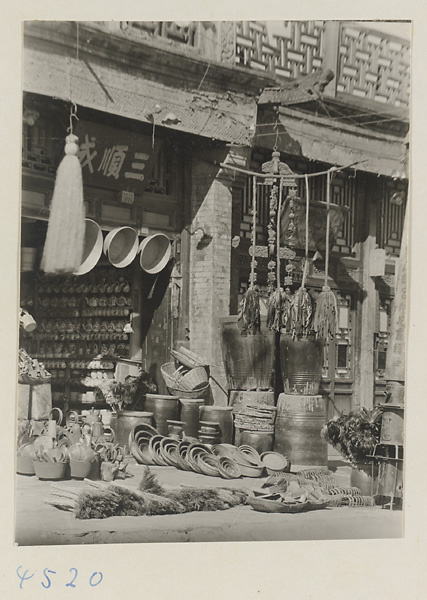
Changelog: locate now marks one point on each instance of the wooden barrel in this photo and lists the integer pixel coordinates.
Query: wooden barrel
(301, 365)
(164, 409)
(222, 415)
(248, 359)
(190, 415)
(123, 421)
(297, 429)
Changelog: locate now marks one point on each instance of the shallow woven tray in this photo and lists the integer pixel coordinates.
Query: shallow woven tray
(274, 506)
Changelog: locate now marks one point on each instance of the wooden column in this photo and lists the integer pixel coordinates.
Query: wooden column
(364, 369)
(395, 367)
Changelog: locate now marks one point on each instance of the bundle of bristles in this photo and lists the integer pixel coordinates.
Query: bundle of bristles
(150, 498)
(290, 313)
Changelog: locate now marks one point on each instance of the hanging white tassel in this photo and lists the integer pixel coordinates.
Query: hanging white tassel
(63, 250)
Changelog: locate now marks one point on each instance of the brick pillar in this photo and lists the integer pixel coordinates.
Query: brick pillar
(210, 261)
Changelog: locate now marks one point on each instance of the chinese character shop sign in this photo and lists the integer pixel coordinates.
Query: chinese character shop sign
(114, 158)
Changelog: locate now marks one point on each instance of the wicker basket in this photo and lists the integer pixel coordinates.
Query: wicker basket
(185, 380)
(195, 394)
(189, 359)
(170, 374)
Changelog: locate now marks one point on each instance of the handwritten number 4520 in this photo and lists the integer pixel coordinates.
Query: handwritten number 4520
(94, 580)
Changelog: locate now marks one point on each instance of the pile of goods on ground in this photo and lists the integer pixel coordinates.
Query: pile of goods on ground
(305, 490)
(221, 460)
(71, 451)
(286, 493)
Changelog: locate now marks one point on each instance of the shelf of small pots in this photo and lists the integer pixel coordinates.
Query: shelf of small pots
(355, 436)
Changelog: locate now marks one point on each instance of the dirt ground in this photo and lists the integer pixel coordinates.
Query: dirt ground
(38, 523)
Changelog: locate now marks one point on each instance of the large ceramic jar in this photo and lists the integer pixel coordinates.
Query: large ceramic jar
(248, 359)
(164, 409)
(124, 421)
(301, 363)
(222, 415)
(262, 441)
(190, 415)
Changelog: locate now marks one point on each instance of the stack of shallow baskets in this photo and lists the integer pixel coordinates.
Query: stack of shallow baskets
(188, 376)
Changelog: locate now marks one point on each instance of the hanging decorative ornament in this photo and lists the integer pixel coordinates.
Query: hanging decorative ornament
(278, 306)
(301, 304)
(63, 250)
(291, 237)
(326, 315)
(249, 311)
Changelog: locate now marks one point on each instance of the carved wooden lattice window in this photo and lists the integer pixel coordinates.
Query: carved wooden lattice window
(390, 216)
(38, 150)
(344, 362)
(296, 51)
(373, 65)
(382, 336)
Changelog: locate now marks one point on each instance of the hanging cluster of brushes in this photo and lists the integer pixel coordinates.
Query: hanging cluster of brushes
(249, 310)
(293, 314)
(289, 313)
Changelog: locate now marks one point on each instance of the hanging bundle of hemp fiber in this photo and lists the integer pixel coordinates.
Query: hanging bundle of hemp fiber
(63, 249)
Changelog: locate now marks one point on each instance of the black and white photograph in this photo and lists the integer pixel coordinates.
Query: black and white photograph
(213, 281)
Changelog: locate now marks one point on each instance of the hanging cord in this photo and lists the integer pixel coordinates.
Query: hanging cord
(294, 175)
(328, 224)
(254, 221)
(73, 115)
(307, 208)
(279, 208)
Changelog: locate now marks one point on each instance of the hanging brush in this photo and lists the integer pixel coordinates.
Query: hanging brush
(302, 308)
(63, 249)
(326, 315)
(249, 310)
(279, 302)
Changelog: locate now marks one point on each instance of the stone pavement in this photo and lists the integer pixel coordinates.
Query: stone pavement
(38, 523)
